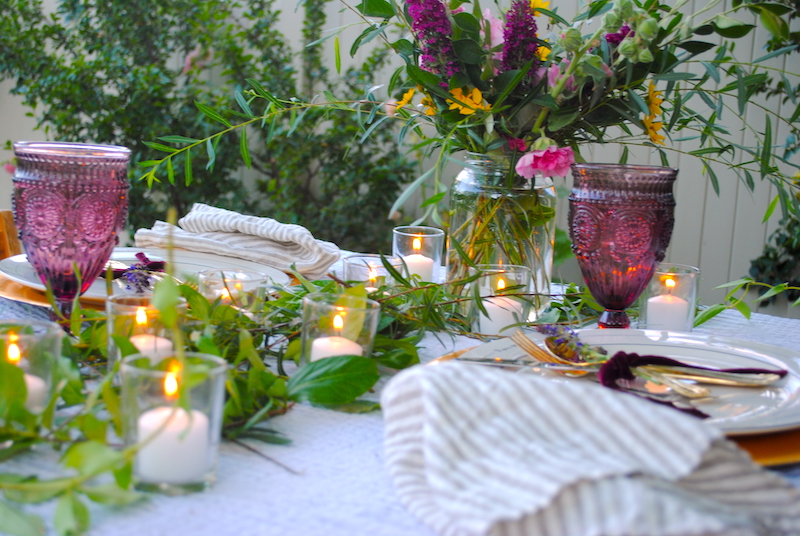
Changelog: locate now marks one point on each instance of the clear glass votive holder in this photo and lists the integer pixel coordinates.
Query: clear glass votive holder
(669, 301)
(33, 347)
(370, 270)
(420, 248)
(134, 318)
(503, 290)
(243, 289)
(337, 324)
(179, 444)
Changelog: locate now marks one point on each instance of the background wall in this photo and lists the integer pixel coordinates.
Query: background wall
(720, 234)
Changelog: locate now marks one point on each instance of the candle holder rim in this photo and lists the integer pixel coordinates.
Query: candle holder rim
(325, 298)
(51, 327)
(405, 230)
(624, 167)
(127, 363)
(500, 268)
(688, 268)
(71, 149)
(378, 256)
(148, 296)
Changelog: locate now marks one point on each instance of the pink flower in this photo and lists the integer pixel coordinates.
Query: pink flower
(552, 161)
(9, 167)
(517, 144)
(495, 32)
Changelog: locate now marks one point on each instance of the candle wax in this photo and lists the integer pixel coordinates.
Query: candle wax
(420, 265)
(37, 393)
(332, 346)
(156, 348)
(501, 312)
(668, 312)
(178, 453)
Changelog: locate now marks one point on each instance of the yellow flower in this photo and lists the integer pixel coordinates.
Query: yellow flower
(428, 104)
(406, 98)
(653, 128)
(654, 99)
(535, 4)
(467, 103)
(542, 51)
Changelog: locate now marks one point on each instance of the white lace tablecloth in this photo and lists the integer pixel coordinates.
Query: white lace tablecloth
(340, 485)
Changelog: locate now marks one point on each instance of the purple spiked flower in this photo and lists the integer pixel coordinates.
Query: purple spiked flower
(432, 27)
(616, 38)
(519, 44)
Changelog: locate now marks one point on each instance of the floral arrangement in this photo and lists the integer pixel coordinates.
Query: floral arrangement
(530, 85)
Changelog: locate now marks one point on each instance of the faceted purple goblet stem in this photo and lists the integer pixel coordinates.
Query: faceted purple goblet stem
(613, 319)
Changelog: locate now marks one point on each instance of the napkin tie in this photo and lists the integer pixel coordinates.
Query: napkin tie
(264, 240)
(474, 450)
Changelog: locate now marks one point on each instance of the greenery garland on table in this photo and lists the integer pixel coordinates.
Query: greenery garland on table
(85, 412)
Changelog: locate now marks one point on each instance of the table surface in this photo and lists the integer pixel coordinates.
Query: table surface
(336, 482)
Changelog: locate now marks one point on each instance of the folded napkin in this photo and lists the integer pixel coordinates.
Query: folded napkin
(475, 450)
(263, 240)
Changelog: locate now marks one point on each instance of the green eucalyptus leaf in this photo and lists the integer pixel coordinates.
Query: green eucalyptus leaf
(376, 8)
(696, 47)
(333, 380)
(91, 457)
(357, 406)
(72, 516)
(15, 522)
(111, 494)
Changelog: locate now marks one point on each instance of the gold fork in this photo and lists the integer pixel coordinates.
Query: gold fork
(544, 355)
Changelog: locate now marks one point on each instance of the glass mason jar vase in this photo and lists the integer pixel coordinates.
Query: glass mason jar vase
(499, 217)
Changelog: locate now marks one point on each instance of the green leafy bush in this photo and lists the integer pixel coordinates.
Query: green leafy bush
(122, 73)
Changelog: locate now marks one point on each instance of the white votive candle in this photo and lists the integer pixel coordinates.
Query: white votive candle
(501, 312)
(323, 347)
(156, 348)
(667, 312)
(177, 446)
(37, 393)
(420, 265)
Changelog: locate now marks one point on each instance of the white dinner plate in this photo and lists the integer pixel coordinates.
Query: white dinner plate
(187, 263)
(736, 410)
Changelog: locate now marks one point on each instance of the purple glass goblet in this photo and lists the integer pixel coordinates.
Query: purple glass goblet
(620, 222)
(70, 206)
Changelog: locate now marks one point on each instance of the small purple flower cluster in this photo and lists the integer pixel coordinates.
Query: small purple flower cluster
(520, 45)
(139, 276)
(432, 27)
(616, 38)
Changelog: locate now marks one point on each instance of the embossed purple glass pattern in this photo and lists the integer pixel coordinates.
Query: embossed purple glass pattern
(70, 205)
(620, 222)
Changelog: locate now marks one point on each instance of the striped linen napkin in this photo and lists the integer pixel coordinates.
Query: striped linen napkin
(475, 450)
(214, 230)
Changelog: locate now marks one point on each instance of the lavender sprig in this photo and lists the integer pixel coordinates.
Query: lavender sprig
(520, 43)
(433, 30)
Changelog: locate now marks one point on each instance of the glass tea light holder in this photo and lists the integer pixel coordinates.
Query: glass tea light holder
(337, 324)
(244, 289)
(31, 347)
(502, 289)
(178, 432)
(133, 317)
(669, 301)
(370, 269)
(420, 249)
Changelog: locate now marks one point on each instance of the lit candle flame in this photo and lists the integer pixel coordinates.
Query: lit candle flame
(670, 283)
(416, 244)
(501, 284)
(171, 380)
(338, 323)
(141, 316)
(14, 353)
(372, 274)
(224, 294)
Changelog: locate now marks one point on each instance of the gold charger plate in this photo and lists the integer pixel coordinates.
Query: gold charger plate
(22, 293)
(780, 448)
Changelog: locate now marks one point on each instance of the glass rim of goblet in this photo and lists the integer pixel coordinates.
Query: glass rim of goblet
(423, 230)
(666, 170)
(71, 149)
(127, 364)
